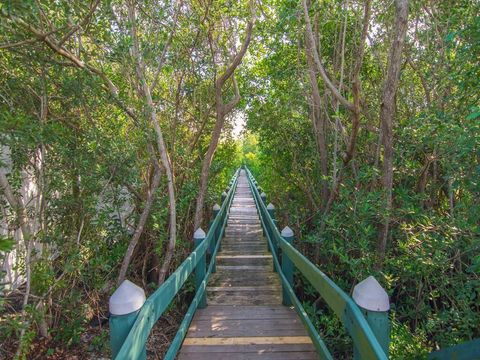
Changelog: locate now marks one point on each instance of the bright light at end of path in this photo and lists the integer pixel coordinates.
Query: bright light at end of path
(239, 120)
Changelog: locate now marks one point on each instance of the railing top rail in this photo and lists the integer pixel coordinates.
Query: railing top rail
(159, 301)
(342, 304)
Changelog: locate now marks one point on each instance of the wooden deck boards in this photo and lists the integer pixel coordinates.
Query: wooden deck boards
(245, 318)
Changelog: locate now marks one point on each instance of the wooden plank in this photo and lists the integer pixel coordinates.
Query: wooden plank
(249, 356)
(247, 340)
(244, 288)
(248, 348)
(244, 298)
(265, 278)
(245, 311)
(246, 261)
(246, 267)
(246, 327)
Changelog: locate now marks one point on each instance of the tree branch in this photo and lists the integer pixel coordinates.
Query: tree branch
(319, 64)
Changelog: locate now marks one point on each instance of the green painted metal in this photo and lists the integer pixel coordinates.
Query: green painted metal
(287, 270)
(215, 240)
(134, 344)
(264, 197)
(344, 307)
(271, 212)
(380, 325)
(200, 273)
(182, 331)
(466, 351)
(120, 326)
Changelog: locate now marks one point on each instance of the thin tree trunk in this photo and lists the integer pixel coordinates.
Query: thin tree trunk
(354, 108)
(151, 111)
(318, 123)
(222, 110)
(337, 117)
(141, 224)
(387, 110)
(18, 207)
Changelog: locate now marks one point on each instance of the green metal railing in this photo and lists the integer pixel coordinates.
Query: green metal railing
(367, 344)
(142, 321)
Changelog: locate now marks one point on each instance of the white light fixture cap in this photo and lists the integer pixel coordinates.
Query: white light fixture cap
(370, 295)
(216, 207)
(199, 234)
(263, 194)
(287, 232)
(126, 299)
(270, 207)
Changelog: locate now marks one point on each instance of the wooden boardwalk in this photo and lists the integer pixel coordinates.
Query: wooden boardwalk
(245, 318)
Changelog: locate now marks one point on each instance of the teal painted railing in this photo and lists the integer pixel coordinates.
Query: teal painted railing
(469, 350)
(133, 346)
(366, 343)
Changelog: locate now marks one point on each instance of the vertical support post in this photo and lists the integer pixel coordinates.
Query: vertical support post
(287, 265)
(373, 301)
(124, 306)
(200, 269)
(271, 212)
(263, 196)
(274, 249)
(224, 196)
(216, 235)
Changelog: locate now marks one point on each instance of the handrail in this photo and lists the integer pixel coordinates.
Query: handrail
(364, 340)
(159, 301)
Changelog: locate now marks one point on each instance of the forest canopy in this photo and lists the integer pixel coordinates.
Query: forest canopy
(118, 134)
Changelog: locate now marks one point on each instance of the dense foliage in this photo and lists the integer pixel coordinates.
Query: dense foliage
(81, 154)
(431, 269)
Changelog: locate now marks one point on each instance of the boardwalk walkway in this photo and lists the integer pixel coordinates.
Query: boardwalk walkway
(245, 318)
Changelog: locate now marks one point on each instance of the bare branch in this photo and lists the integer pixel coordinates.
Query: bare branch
(319, 64)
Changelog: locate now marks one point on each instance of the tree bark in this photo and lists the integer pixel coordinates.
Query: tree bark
(222, 110)
(141, 224)
(162, 149)
(387, 110)
(318, 122)
(354, 108)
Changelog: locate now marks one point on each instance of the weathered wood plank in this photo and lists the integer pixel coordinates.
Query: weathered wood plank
(249, 356)
(248, 340)
(249, 348)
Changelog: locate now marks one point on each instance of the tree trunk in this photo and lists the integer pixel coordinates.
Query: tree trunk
(141, 224)
(222, 110)
(387, 110)
(162, 149)
(318, 124)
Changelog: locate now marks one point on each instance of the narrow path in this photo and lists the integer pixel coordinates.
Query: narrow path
(245, 318)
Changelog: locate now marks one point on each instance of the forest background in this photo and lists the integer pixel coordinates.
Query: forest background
(117, 137)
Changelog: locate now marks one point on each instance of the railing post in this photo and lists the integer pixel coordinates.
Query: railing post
(124, 306)
(271, 212)
(373, 301)
(215, 239)
(287, 265)
(198, 237)
(263, 196)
